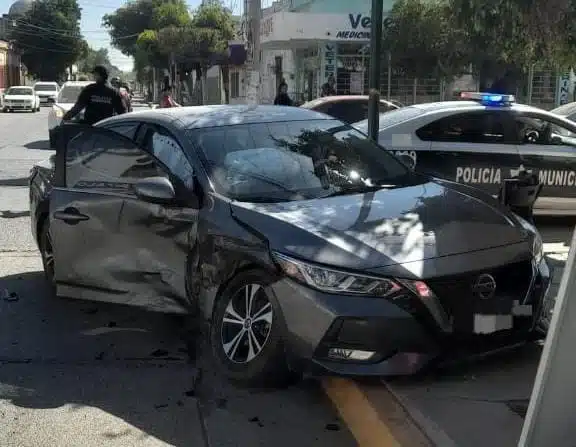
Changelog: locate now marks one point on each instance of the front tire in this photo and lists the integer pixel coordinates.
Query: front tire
(246, 333)
(47, 254)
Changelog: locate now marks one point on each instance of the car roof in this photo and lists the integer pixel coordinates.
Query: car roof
(46, 83)
(19, 86)
(339, 98)
(194, 117)
(565, 109)
(425, 109)
(77, 83)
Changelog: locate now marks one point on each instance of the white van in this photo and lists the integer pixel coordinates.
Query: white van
(47, 91)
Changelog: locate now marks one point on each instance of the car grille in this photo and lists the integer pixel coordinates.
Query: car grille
(459, 302)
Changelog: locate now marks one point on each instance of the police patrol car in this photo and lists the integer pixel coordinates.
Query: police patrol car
(483, 139)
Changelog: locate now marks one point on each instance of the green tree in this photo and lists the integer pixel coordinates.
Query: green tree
(48, 38)
(93, 57)
(512, 35)
(422, 40)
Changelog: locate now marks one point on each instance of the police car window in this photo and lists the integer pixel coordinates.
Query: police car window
(99, 161)
(168, 151)
(482, 128)
(532, 130)
(392, 118)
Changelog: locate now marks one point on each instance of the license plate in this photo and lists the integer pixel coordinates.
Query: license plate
(488, 324)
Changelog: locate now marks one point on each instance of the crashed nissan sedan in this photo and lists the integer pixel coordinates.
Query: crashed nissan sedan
(304, 244)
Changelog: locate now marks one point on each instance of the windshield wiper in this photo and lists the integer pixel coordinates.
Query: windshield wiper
(356, 189)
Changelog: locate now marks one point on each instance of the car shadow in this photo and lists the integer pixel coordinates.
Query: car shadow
(75, 355)
(40, 144)
(13, 214)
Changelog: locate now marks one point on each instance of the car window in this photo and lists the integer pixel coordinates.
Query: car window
(166, 149)
(69, 94)
(103, 161)
(392, 118)
(294, 160)
(348, 111)
(475, 127)
(543, 131)
(128, 129)
(19, 91)
(45, 88)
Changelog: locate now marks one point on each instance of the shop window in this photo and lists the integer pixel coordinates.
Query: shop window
(235, 84)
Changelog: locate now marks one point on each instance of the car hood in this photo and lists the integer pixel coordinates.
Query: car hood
(9, 97)
(383, 228)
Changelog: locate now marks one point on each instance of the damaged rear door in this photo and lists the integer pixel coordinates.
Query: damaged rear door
(110, 245)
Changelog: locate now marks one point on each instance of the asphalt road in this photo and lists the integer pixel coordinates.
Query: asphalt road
(81, 374)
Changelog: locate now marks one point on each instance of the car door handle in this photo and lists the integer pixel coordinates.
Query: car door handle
(70, 215)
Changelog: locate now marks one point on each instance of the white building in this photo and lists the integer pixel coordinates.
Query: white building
(304, 42)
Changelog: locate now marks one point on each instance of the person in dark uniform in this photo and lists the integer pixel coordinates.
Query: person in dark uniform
(282, 98)
(98, 100)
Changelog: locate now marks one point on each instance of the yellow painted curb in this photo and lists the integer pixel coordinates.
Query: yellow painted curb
(362, 419)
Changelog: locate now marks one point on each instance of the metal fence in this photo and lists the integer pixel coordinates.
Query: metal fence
(538, 89)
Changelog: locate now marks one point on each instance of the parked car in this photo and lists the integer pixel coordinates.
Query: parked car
(65, 100)
(20, 98)
(301, 241)
(346, 108)
(567, 111)
(47, 91)
(484, 139)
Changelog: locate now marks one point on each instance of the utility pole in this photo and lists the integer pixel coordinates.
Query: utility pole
(253, 26)
(374, 79)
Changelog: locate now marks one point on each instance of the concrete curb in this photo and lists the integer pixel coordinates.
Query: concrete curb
(432, 431)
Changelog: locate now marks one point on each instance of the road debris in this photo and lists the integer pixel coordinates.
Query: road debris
(9, 296)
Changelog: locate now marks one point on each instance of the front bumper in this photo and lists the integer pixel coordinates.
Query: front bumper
(47, 99)
(403, 335)
(18, 106)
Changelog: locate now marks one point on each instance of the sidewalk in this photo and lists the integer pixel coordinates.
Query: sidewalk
(474, 405)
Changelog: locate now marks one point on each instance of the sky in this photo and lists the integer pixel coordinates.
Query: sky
(91, 25)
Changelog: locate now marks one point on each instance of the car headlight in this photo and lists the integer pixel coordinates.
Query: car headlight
(59, 112)
(329, 280)
(537, 248)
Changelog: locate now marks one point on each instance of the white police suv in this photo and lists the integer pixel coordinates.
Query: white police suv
(483, 139)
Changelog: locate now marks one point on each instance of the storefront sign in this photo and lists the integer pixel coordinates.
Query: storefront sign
(360, 24)
(563, 90)
(329, 60)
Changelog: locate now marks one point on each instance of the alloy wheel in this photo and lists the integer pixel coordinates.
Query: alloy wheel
(246, 324)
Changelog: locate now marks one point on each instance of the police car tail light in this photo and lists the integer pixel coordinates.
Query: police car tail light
(488, 98)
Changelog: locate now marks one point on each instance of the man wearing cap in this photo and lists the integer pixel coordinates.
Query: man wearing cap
(98, 100)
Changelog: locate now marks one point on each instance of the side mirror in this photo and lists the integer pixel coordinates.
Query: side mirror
(155, 190)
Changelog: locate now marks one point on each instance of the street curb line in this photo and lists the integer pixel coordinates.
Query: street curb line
(362, 419)
(436, 435)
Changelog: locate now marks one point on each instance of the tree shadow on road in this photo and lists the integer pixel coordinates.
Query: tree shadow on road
(134, 365)
(40, 144)
(66, 353)
(22, 181)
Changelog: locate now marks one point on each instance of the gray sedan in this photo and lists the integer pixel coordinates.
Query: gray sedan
(301, 242)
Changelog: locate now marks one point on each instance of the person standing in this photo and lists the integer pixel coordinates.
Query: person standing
(328, 88)
(282, 97)
(166, 101)
(98, 100)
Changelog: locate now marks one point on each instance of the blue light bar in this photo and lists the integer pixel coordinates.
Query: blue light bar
(494, 99)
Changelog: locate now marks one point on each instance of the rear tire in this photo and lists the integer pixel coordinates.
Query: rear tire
(47, 253)
(249, 349)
